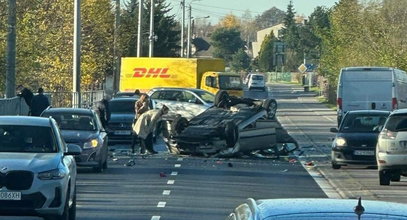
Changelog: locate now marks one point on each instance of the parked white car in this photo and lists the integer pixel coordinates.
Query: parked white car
(391, 149)
(371, 88)
(183, 101)
(37, 169)
(256, 81)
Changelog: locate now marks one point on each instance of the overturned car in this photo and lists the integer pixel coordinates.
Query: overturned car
(233, 125)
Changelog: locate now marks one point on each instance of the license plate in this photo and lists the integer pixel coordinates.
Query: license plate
(364, 152)
(10, 195)
(122, 132)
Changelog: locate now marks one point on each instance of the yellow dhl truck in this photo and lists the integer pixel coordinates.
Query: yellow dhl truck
(145, 73)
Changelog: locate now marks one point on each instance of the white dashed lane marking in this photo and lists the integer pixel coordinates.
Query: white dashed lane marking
(155, 218)
(161, 204)
(170, 182)
(166, 192)
(177, 165)
(180, 159)
(174, 173)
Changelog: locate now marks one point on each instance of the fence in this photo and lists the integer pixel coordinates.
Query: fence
(283, 77)
(17, 105)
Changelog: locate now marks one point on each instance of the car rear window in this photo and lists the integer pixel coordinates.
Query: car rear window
(125, 106)
(257, 77)
(397, 123)
(27, 139)
(68, 121)
(363, 123)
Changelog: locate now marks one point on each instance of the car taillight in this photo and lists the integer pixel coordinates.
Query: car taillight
(386, 134)
(394, 103)
(339, 103)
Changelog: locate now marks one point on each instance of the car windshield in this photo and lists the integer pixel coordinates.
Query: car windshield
(230, 82)
(69, 121)
(363, 123)
(397, 123)
(24, 139)
(122, 106)
(257, 77)
(206, 96)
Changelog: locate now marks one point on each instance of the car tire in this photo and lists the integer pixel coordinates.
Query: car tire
(99, 168)
(221, 98)
(395, 177)
(69, 213)
(271, 108)
(105, 165)
(178, 125)
(231, 134)
(335, 166)
(384, 177)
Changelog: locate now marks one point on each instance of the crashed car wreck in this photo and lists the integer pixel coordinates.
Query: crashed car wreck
(234, 125)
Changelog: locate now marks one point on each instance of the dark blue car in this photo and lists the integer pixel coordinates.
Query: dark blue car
(356, 139)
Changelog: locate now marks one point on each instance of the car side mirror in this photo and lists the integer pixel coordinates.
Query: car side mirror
(333, 130)
(73, 149)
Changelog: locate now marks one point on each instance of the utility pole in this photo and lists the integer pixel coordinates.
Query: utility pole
(116, 52)
(182, 28)
(139, 28)
(151, 37)
(11, 50)
(189, 32)
(76, 97)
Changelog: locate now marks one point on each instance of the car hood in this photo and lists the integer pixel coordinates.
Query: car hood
(36, 162)
(78, 136)
(121, 118)
(360, 139)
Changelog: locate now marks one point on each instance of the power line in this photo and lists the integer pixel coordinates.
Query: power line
(230, 9)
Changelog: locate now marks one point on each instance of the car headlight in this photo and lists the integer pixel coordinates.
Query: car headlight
(54, 174)
(91, 143)
(340, 142)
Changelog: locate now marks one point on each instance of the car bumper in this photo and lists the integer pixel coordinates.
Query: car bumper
(46, 199)
(89, 157)
(392, 161)
(347, 156)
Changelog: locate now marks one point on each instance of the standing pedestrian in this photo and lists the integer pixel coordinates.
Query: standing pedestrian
(27, 95)
(39, 103)
(102, 109)
(145, 126)
(141, 106)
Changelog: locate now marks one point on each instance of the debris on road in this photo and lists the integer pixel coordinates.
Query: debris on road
(130, 163)
(310, 163)
(162, 174)
(230, 164)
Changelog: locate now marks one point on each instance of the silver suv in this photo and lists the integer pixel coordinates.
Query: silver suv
(37, 169)
(391, 149)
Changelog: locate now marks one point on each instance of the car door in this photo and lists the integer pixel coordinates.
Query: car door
(258, 135)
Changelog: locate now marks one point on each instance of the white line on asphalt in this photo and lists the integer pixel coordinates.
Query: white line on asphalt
(161, 204)
(155, 218)
(180, 159)
(170, 182)
(166, 192)
(177, 165)
(174, 173)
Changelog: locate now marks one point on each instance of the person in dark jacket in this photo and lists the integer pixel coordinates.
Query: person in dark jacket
(102, 109)
(39, 103)
(26, 94)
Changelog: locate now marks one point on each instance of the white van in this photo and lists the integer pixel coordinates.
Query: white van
(365, 88)
(256, 81)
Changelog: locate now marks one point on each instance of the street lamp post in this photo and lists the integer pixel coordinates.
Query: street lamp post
(76, 97)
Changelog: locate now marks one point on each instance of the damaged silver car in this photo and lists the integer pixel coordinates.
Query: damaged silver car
(234, 125)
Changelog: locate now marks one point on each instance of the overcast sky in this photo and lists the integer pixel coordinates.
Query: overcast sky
(219, 8)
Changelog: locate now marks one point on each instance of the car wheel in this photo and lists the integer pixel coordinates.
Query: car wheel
(271, 107)
(99, 168)
(221, 98)
(69, 213)
(395, 177)
(105, 165)
(178, 125)
(335, 166)
(231, 134)
(72, 209)
(384, 177)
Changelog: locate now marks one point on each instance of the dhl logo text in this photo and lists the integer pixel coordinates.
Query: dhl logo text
(151, 72)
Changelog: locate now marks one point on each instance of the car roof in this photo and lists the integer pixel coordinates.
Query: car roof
(124, 98)
(399, 111)
(177, 88)
(368, 112)
(274, 207)
(364, 68)
(82, 111)
(25, 120)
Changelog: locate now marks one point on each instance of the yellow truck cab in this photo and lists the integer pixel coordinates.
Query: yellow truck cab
(215, 81)
(209, 74)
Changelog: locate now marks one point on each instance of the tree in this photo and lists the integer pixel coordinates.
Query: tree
(266, 54)
(229, 21)
(227, 42)
(240, 61)
(269, 18)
